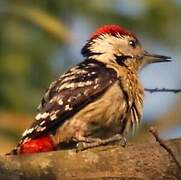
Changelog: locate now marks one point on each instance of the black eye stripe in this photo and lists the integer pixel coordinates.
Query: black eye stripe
(120, 59)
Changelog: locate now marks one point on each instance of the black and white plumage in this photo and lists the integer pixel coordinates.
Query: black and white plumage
(76, 88)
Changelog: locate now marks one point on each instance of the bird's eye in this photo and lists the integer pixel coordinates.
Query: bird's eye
(132, 43)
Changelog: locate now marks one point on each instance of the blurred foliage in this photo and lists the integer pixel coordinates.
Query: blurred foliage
(32, 32)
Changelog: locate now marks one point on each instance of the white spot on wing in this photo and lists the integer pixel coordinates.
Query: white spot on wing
(42, 116)
(66, 86)
(40, 129)
(96, 80)
(54, 99)
(68, 108)
(83, 84)
(74, 71)
(28, 131)
(93, 73)
(86, 92)
(92, 64)
(53, 117)
(43, 122)
(69, 99)
(60, 102)
(68, 78)
(96, 86)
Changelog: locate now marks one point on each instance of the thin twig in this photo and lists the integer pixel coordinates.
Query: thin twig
(152, 90)
(154, 132)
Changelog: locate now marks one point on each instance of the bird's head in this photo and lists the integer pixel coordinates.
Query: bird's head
(114, 44)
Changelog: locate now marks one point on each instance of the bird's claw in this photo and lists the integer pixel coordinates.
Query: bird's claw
(123, 142)
(80, 146)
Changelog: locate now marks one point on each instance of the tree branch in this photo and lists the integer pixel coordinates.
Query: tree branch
(154, 132)
(135, 161)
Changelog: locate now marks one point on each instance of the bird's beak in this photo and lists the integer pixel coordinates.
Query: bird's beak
(155, 58)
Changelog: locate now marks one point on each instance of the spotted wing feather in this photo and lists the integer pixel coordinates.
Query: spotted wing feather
(71, 92)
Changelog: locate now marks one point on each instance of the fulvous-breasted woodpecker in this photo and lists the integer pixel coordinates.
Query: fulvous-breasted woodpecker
(96, 101)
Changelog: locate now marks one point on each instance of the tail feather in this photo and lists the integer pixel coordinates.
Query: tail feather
(41, 144)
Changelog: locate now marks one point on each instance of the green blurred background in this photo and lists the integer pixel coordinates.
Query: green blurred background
(40, 39)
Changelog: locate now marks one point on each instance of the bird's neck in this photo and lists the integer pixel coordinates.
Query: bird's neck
(127, 75)
(131, 84)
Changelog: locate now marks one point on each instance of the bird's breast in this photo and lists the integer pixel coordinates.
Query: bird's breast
(101, 118)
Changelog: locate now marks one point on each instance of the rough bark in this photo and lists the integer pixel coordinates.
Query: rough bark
(135, 161)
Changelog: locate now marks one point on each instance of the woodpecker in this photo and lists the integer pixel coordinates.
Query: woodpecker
(95, 102)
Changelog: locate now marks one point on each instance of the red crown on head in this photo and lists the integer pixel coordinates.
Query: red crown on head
(110, 29)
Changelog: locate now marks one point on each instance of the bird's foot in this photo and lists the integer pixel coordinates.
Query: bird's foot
(95, 142)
